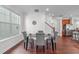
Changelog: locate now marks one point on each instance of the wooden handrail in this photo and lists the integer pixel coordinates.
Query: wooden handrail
(50, 26)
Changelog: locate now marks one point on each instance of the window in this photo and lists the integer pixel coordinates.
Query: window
(9, 23)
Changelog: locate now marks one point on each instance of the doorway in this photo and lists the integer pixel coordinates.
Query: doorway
(65, 21)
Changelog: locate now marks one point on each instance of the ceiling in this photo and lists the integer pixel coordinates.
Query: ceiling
(57, 10)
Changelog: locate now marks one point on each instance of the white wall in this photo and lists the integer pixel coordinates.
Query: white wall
(75, 22)
(40, 19)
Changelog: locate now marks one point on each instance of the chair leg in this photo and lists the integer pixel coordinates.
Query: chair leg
(24, 44)
(36, 49)
(44, 49)
(55, 46)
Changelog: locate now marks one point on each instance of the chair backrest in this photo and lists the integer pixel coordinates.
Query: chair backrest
(40, 38)
(56, 34)
(24, 35)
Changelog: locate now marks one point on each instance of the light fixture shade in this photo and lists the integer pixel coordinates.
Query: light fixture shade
(36, 10)
(34, 22)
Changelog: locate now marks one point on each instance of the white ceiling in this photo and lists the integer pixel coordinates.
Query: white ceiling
(57, 10)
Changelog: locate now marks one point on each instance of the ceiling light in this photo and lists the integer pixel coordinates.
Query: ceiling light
(47, 9)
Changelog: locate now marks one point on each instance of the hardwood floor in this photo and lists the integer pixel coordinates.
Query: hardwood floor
(19, 49)
(64, 46)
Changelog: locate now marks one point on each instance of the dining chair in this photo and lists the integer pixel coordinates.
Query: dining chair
(25, 40)
(48, 44)
(54, 39)
(31, 42)
(40, 41)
